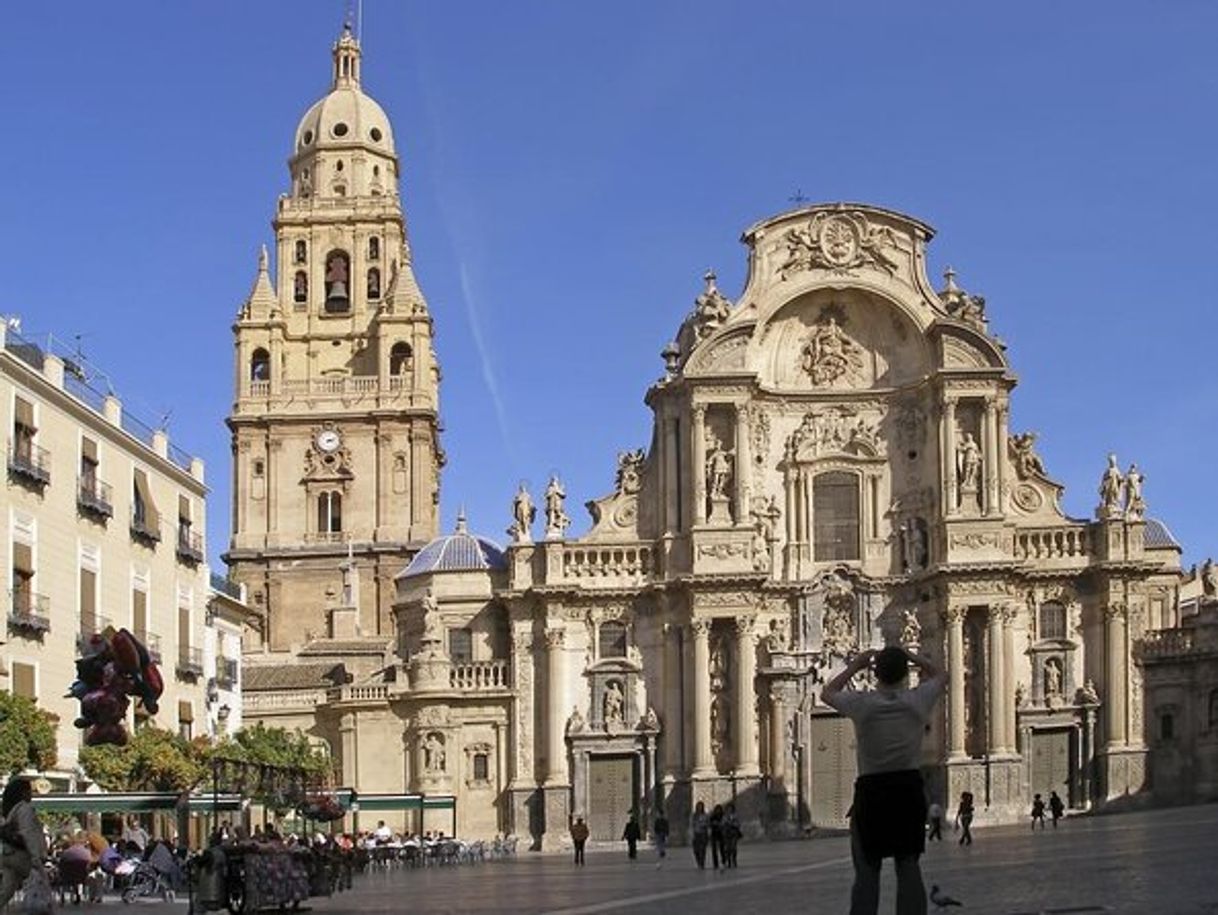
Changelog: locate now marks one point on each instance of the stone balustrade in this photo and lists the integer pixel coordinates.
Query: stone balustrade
(395, 388)
(283, 700)
(633, 562)
(1164, 644)
(363, 692)
(479, 675)
(1065, 542)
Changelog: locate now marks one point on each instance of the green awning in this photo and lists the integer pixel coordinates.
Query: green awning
(369, 802)
(132, 802)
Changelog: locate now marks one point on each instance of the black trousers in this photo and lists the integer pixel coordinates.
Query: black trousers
(579, 851)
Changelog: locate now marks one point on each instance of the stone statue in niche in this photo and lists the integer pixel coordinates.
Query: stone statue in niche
(718, 665)
(837, 626)
(1111, 484)
(433, 753)
(523, 513)
(613, 704)
(1053, 679)
(968, 464)
(765, 516)
(720, 727)
(557, 520)
(576, 723)
(1135, 507)
(1027, 462)
(433, 627)
(779, 636)
(911, 630)
(719, 479)
(914, 546)
(829, 355)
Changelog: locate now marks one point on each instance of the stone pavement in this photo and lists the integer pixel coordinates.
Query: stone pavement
(1152, 863)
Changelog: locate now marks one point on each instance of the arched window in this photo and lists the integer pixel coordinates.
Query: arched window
(835, 514)
(1052, 620)
(301, 254)
(260, 365)
(374, 283)
(399, 359)
(338, 278)
(300, 288)
(613, 640)
(374, 246)
(1167, 726)
(329, 513)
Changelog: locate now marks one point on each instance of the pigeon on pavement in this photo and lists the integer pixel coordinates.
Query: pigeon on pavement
(942, 900)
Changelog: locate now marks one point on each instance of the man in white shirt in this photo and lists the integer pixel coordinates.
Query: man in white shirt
(383, 833)
(887, 819)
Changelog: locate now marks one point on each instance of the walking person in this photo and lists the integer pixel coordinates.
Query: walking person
(888, 816)
(935, 816)
(964, 817)
(22, 842)
(632, 833)
(660, 831)
(1038, 813)
(699, 832)
(1056, 807)
(716, 835)
(731, 835)
(579, 835)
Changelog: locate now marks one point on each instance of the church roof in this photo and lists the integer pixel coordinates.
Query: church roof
(1157, 535)
(260, 677)
(459, 551)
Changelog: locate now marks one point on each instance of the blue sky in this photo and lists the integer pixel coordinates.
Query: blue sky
(571, 169)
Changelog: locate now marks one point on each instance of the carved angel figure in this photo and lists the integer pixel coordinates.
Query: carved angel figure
(1110, 487)
(1027, 461)
(629, 471)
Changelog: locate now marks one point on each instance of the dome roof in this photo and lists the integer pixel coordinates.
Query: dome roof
(460, 551)
(345, 116)
(1157, 536)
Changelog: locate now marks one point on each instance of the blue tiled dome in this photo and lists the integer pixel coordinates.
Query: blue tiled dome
(460, 551)
(1157, 535)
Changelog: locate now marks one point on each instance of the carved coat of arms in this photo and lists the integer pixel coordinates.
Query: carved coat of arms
(838, 243)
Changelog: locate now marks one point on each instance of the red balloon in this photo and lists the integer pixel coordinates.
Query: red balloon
(126, 651)
(113, 733)
(152, 677)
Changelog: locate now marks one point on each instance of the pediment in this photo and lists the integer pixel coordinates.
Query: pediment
(962, 347)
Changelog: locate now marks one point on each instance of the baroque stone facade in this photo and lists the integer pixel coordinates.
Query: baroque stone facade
(831, 468)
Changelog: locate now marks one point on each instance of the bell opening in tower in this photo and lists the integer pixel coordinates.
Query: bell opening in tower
(338, 273)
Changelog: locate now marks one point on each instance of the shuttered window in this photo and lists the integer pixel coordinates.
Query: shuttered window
(144, 511)
(23, 414)
(24, 681)
(139, 614)
(184, 630)
(835, 513)
(23, 577)
(88, 601)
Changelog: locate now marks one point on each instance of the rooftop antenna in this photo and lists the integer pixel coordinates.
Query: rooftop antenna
(163, 425)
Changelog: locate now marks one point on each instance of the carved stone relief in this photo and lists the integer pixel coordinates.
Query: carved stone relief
(839, 243)
(830, 355)
(835, 430)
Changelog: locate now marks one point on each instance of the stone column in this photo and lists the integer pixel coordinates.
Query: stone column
(1004, 415)
(1009, 615)
(697, 433)
(746, 704)
(947, 447)
(744, 465)
(1114, 713)
(989, 461)
(996, 681)
(778, 739)
(673, 737)
(704, 761)
(955, 669)
(556, 743)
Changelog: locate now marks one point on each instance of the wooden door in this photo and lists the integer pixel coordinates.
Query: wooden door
(833, 770)
(1051, 763)
(610, 796)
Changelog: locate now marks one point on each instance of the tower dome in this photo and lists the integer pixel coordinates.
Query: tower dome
(345, 124)
(459, 551)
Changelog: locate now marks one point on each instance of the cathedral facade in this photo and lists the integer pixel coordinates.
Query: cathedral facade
(831, 468)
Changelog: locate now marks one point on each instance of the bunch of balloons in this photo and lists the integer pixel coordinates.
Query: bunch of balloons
(112, 667)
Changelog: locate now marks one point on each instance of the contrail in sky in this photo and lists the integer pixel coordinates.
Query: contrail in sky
(488, 374)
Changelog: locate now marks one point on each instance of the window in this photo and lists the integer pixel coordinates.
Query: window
(260, 365)
(374, 283)
(460, 646)
(23, 429)
(23, 579)
(374, 244)
(145, 520)
(400, 359)
(329, 513)
(184, 640)
(139, 614)
(88, 602)
(301, 254)
(613, 640)
(1052, 620)
(88, 466)
(835, 514)
(338, 273)
(1167, 726)
(25, 681)
(300, 288)
(186, 720)
(481, 767)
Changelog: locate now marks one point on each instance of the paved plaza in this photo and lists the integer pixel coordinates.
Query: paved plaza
(1159, 862)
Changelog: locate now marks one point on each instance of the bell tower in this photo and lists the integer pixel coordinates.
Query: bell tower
(336, 456)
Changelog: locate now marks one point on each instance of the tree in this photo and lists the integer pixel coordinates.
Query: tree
(153, 760)
(275, 764)
(27, 735)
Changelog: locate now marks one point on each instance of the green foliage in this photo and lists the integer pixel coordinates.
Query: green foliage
(271, 765)
(27, 735)
(153, 760)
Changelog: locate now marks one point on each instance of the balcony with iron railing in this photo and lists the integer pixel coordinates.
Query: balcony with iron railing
(89, 627)
(152, 642)
(29, 464)
(29, 613)
(93, 497)
(225, 586)
(226, 672)
(190, 545)
(190, 662)
(145, 527)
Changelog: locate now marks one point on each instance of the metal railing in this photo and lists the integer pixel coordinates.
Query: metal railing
(90, 626)
(29, 611)
(225, 586)
(190, 661)
(226, 672)
(190, 544)
(152, 642)
(145, 528)
(94, 497)
(29, 462)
